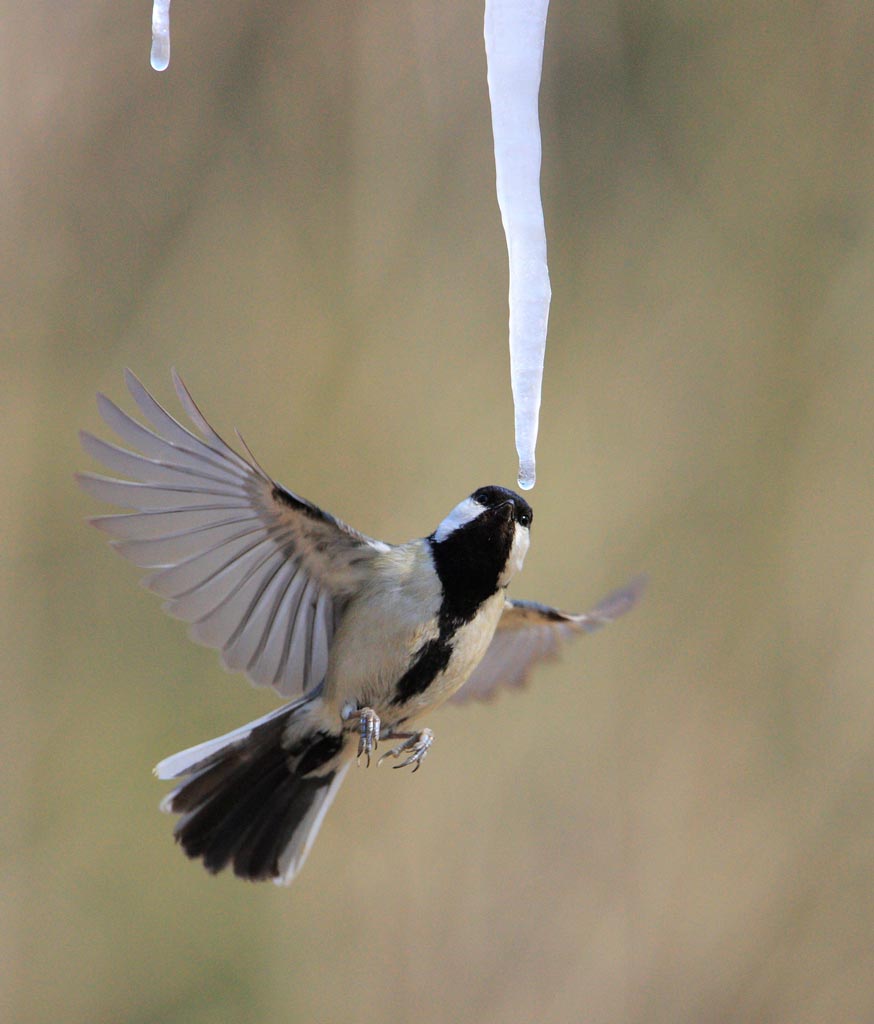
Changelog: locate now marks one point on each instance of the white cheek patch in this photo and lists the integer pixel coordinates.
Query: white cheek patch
(521, 539)
(463, 513)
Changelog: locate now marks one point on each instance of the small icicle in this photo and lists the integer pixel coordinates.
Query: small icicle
(160, 35)
(514, 34)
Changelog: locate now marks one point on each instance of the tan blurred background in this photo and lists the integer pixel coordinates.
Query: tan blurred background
(672, 825)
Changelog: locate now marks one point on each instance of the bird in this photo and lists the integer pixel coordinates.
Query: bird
(360, 637)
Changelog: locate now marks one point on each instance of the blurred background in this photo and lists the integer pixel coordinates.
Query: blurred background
(674, 823)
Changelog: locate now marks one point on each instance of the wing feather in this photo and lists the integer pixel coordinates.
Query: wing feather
(258, 572)
(141, 526)
(171, 549)
(147, 497)
(268, 659)
(201, 570)
(247, 641)
(172, 430)
(151, 471)
(298, 650)
(195, 456)
(529, 633)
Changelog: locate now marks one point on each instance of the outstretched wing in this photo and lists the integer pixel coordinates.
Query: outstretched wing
(528, 633)
(259, 573)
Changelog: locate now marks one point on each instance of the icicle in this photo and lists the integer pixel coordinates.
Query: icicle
(160, 35)
(514, 33)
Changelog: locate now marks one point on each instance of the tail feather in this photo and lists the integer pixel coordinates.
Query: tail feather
(247, 803)
(214, 826)
(259, 850)
(204, 754)
(295, 852)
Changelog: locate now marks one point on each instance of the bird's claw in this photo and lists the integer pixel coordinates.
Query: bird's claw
(417, 746)
(368, 733)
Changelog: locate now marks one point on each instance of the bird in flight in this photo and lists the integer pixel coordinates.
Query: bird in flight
(362, 638)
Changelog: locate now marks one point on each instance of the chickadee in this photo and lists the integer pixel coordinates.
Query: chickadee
(365, 637)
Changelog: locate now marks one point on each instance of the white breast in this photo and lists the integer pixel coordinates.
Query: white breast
(470, 644)
(388, 620)
(386, 625)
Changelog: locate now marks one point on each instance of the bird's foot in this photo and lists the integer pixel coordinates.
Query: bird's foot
(416, 745)
(368, 733)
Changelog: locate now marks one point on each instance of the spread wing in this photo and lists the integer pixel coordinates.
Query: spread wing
(528, 633)
(260, 574)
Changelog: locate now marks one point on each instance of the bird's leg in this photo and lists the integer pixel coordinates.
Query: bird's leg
(416, 744)
(368, 729)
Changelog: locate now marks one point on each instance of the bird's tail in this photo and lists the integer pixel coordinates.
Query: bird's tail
(255, 798)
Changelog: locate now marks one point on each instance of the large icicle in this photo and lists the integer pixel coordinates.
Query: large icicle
(160, 56)
(514, 33)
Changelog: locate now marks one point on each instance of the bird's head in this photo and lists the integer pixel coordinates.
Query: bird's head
(481, 544)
